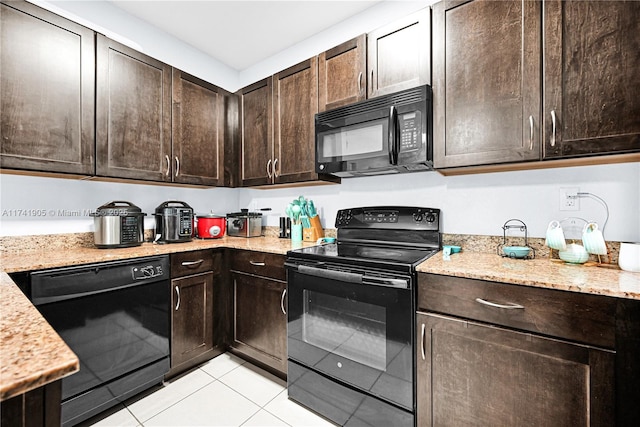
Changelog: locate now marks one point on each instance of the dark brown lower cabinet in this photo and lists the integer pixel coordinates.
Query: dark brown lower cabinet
(39, 407)
(474, 374)
(259, 320)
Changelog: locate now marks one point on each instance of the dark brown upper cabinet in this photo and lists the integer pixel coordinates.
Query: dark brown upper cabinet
(399, 54)
(486, 82)
(295, 101)
(591, 81)
(256, 134)
(133, 114)
(47, 95)
(197, 131)
(342, 74)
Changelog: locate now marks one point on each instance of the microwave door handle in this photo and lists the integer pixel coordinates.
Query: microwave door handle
(393, 140)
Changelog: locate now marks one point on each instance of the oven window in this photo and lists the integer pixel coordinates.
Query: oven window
(354, 142)
(348, 328)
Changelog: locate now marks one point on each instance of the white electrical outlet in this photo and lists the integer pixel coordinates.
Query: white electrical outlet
(569, 200)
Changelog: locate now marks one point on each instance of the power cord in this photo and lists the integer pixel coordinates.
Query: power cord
(599, 199)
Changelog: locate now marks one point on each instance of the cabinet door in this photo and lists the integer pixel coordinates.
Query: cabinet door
(260, 322)
(197, 128)
(475, 374)
(47, 95)
(133, 114)
(591, 84)
(399, 54)
(192, 320)
(486, 81)
(295, 105)
(256, 134)
(342, 75)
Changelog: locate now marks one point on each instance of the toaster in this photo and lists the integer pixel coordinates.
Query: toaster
(244, 224)
(174, 222)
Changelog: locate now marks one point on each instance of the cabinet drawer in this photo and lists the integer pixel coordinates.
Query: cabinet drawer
(588, 319)
(259, 263)
(193, 262)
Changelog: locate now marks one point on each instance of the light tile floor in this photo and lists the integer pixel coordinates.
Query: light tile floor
(226, 391)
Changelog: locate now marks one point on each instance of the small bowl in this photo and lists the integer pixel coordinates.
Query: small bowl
(516, 251)
(575, 254)
(452, 248)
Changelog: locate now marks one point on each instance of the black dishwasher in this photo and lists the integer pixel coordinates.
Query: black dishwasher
(115, 316)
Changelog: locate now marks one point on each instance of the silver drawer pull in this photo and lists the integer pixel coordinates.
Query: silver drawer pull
(505, 306)
(284, 293)
(422, 353)
(192, 263)
(257, 264)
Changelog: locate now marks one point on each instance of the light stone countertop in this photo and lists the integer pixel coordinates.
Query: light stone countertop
(539, 272)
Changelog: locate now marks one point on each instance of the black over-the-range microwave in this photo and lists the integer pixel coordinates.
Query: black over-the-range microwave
(388, 134)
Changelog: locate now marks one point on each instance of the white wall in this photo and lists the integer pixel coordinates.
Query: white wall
(36, 205)
(481, 203)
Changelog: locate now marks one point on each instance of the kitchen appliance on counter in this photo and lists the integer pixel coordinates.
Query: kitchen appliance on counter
(210, 226)
(174, 222)
(118, 224)
(382, 135)
(350, 317)
(244, 224)
(115, 317)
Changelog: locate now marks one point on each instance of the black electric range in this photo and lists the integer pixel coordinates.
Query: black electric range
(351, 309)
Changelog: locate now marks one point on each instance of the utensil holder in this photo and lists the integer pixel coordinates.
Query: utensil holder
(314, 232)
(296, 233)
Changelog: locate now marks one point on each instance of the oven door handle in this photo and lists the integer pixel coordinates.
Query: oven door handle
(383, 281)
(341, 276)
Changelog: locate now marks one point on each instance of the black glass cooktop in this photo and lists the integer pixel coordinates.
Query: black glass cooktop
(383, 256)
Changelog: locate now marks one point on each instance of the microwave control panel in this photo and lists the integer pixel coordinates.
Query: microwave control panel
(410, 131)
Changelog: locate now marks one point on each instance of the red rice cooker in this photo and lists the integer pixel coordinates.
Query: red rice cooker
(211, 226)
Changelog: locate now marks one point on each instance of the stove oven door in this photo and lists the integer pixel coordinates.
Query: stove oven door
(343, 326)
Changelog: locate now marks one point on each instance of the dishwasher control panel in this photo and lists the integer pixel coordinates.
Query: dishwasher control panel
(147, 271)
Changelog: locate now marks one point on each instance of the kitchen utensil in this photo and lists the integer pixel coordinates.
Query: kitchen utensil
(311, 208)
(296, 214)
(174, 222)
(515, 251)
(574, 254)
(244, 224)
(118, 224)
(210, 226)
(555, 236)
(629, 258)
(593, 240)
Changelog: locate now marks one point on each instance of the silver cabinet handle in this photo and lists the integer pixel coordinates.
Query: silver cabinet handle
(282, 302)
(177, 166)
(257, 263)
(275, 168)
(422, 343)
(553, 128)
(192, 263)
(505, 306)
(178, 293)
(360, 82)
(530, 133)
(269, 174)
(166, 156)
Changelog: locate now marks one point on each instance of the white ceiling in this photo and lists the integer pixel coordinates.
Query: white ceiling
(243, 33)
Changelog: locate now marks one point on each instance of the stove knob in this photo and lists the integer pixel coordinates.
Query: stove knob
(417, 217)
(431, 217)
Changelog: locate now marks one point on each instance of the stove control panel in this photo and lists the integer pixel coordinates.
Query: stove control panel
(386, 217)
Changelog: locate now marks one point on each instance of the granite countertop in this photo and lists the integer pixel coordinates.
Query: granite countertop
(32, 354)
(540, 272)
